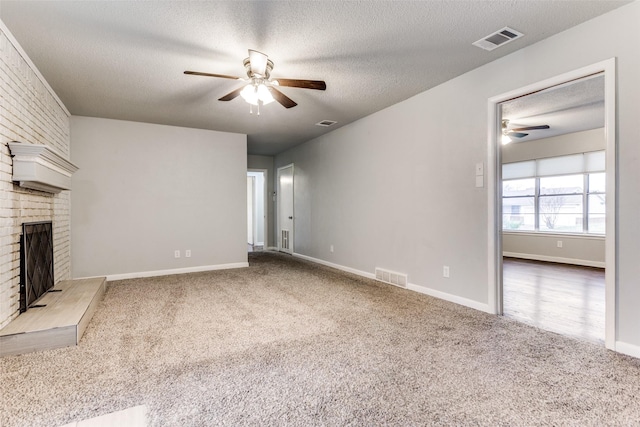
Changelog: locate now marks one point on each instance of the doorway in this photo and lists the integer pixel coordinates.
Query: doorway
(285, 209)
(256, 209)
(553, 216)
(496, 292)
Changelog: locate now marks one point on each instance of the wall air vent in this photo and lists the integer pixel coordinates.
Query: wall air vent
(391, 277)
(326, 123)
(284, 240)
(499, 38)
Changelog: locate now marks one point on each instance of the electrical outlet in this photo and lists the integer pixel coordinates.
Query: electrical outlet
(331, 248)
(445, 271)
(187, 253)
(559, 243)
(176, 254)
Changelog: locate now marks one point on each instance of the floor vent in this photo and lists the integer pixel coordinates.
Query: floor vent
(499, 38)
(391, 277)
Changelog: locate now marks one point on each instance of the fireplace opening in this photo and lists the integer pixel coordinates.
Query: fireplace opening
(36, 262)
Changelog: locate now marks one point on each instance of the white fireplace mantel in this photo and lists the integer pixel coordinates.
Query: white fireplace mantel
(40, 167)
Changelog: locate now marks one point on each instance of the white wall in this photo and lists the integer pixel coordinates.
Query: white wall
(396, 189)
(576, 249)
(30, 112)
(145, 190)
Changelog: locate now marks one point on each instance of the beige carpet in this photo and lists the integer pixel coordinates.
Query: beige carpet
(287, 342)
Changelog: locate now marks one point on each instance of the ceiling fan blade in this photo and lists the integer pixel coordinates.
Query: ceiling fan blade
(518, 134)
(305, 84)
(258, 61)
(231, 95)
(531, 128)
(223, 76)
(282, 98)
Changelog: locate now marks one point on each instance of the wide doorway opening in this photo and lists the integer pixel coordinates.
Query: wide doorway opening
(554, 201)
(553, 208)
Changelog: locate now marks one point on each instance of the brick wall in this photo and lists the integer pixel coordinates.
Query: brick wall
(28, 113)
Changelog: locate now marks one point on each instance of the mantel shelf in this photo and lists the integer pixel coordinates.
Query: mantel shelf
(40, 167)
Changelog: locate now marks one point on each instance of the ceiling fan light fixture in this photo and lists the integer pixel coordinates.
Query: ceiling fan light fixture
(505, 139)
(257, 93)
(250, 94)
(264, 95)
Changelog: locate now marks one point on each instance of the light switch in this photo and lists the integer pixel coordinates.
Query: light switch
(479, 169)
(479, 181)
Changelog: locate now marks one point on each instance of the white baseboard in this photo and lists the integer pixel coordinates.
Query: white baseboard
(451, 298)
(560, 260)
(416, 288)
(628, 349)
(141, 274)
(336, 266)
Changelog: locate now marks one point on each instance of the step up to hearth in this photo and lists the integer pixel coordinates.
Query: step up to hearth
(59, 321)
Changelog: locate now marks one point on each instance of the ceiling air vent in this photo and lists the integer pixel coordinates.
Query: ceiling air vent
(326, 123)
(499, 38)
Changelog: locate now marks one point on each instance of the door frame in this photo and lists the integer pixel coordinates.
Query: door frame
(279, 201)
(494, 179)
(265, 199)
(251, 203)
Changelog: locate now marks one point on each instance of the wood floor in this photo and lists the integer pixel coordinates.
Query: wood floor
(566, 299)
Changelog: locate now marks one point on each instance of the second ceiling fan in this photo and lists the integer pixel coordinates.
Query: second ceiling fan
(260, 89)
(518, 132)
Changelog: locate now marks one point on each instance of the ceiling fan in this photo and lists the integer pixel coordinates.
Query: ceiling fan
(260, 89)
(519, 131)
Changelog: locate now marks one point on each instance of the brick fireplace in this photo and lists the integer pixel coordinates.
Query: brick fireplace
(33, 114)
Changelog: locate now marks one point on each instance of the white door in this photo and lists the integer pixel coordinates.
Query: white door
(285, 209)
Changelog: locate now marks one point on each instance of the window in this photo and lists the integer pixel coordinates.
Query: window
(518, 204)
(560, 203)
(559, 194)
(596, 203)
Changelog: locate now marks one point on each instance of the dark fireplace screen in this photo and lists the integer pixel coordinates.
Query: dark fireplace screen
(36, 262)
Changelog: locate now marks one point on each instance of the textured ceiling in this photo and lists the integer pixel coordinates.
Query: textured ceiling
(125, 59)
(571, 107)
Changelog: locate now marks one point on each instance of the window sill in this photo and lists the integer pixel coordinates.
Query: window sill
(554, 234)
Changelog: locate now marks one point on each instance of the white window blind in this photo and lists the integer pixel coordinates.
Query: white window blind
(594, 161)
(560, 165)
(552, 166)
(519, 170)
